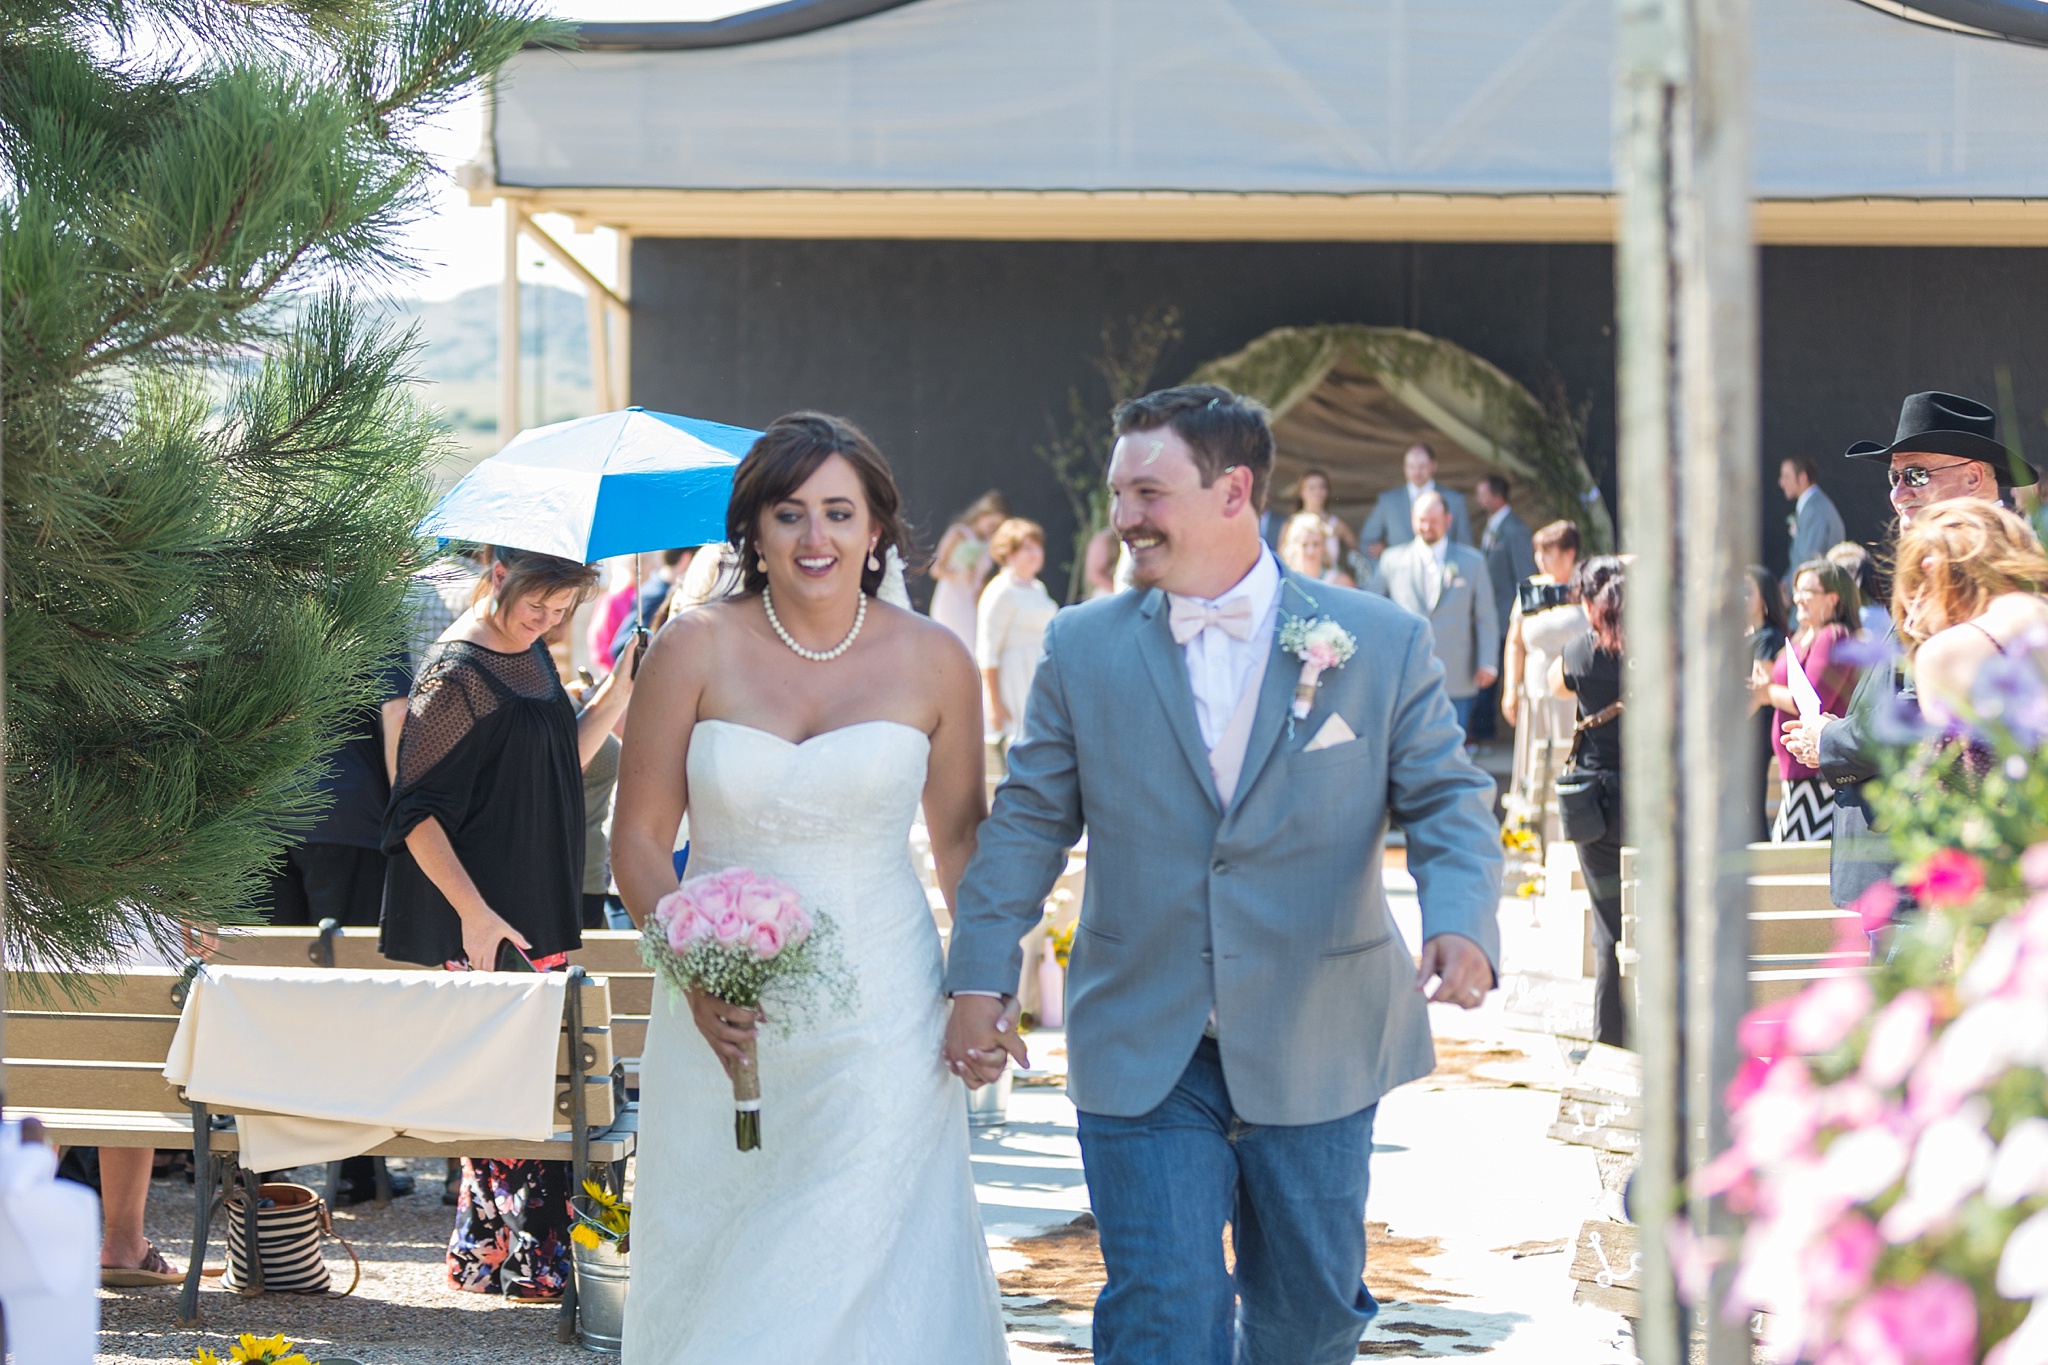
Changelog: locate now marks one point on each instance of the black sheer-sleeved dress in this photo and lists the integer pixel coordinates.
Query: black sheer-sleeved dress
(489, 749)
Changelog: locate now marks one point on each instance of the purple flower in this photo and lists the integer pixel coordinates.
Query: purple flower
(1897, 722)
(2010, 692)
(1859, 652)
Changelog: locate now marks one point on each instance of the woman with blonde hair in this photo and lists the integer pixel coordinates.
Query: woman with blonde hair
(1968, 589)
(1010, 627)
(963, 564)
(1305, 548)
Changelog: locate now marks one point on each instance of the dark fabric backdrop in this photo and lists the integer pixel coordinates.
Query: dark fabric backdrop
(957, 356)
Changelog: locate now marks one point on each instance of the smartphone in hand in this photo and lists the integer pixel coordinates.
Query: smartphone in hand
(511, 959)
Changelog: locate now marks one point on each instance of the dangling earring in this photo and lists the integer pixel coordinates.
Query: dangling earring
(761, 563)
(874, 565)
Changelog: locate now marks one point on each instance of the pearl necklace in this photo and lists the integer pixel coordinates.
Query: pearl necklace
(817, 656)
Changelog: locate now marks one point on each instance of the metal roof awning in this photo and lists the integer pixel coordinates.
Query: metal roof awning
(1250, 120)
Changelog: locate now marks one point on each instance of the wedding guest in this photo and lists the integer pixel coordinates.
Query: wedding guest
(1305, 548)
(1446, 585)
(1391, 521)
(486, 837)
(1098, 568)
(1312, 498)
(601, 909)
(1543, 722)
(654, 595)
(1010, 623)
(963, 564)
(1857, 562)
(1970, 591)
(1815, 524)
(1510, 552)
(440, 594)
(1946, 446)
(1589, 671)
(1829, 613)
(1767, 625)
(609, 613)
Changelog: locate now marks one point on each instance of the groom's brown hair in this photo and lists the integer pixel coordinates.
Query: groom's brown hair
(1223, 429)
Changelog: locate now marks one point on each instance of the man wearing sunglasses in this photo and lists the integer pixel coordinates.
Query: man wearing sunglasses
(1946, 447)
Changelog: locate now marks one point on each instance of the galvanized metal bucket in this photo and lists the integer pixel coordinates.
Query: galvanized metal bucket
(990, 1105)
(602, 1277)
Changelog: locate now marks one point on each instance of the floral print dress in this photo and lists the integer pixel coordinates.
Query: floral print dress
(511, 1229)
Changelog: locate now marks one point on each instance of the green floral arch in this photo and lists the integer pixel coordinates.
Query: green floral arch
(1447, 393)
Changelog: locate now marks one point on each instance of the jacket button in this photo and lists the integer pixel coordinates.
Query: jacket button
(1208, 956)
(1219, 867)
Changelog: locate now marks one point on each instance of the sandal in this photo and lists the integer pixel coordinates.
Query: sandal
(154, 1270)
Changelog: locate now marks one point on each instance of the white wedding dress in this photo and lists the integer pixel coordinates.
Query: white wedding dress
(852, 1234)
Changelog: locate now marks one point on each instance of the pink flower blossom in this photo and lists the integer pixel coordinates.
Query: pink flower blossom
(2034, 866)
(688, 928)
(1898, 1038)
(1825, 1013)
(764, 940)
(1323, 655)
(1950, 877)
(1838, 1265)
(1780, 1119)
(1932, 1321)
(1762, 1030)
(729, 926)
(793, 922)
(711, 895)
(758, 901)
(1876, 906)
(1749, 1078)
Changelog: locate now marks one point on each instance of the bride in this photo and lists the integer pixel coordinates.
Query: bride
(799, 723)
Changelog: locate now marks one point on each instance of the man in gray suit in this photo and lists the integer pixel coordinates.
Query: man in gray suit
(1510, 550)
(1238, 998)
(1816, 524)
(1392, 519)
(1448, 586)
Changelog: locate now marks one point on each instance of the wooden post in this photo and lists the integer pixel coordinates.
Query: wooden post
(508, 328)
(622, 344)
(1686, 286)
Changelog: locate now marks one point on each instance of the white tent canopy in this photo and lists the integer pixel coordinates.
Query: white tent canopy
(1292, 97)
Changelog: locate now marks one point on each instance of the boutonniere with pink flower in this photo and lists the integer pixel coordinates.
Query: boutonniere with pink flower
(1321, 645)
(733, 935)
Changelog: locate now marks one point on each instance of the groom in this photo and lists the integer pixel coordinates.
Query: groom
(1238, 997)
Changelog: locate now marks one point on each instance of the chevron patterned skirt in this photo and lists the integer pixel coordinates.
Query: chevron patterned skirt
(1807, 813)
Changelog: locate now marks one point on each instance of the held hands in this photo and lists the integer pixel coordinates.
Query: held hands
(981, 1038)
(1463, 975)
(1802, 737)
(726, 1027)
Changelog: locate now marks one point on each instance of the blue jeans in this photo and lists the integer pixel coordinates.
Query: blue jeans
(1164, 1184)
(1463, 707)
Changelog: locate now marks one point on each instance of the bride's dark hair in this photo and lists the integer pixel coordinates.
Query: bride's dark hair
(783, 459)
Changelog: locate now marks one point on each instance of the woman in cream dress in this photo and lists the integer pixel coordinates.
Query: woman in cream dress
(963, 564)
(1010, 624)
(1543, 724)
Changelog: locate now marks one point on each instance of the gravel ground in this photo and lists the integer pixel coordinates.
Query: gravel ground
(402, 1314)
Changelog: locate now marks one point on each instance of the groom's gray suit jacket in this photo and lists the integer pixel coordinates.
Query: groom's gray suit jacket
(1271, 912)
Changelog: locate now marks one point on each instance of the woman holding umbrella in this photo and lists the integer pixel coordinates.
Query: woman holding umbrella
(485, 832)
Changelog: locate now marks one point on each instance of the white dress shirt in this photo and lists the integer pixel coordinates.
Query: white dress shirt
(1804, 498)
(1500, 514)
(1439, 555)
(1221, 666)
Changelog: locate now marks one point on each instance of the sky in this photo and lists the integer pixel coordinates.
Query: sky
(460, 247)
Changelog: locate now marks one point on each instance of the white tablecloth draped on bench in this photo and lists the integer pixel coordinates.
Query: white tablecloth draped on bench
(340, 1060)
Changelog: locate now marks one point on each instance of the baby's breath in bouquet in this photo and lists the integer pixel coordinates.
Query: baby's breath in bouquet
(733, 935)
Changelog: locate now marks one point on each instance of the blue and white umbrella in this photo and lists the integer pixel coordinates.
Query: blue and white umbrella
(619, 483)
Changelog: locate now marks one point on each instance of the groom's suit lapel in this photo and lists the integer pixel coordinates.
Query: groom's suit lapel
(1168, 668)
(1276, 688)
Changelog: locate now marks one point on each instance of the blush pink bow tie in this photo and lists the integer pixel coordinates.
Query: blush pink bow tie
(1190, 616)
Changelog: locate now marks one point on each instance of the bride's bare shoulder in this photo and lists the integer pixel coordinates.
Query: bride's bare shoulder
(915, 631)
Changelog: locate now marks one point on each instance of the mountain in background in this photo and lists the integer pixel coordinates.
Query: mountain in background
(458, 361)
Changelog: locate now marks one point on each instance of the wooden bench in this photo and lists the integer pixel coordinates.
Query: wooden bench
(86, 1056)
(1793, 924)
(608, 953)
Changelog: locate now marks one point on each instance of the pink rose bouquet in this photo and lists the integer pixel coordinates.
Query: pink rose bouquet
(733, 935)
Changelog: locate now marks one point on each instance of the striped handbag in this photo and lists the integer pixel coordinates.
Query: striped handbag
(288, 1236)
